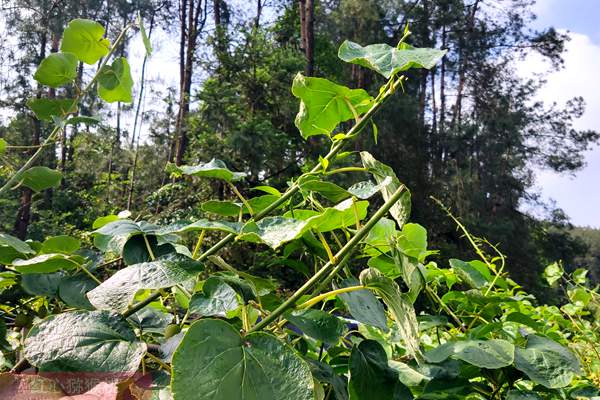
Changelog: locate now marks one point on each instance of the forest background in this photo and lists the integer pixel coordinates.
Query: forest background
(471, 132)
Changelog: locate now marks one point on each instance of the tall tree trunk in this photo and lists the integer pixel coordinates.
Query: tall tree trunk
(307, 33)
(259, 8)
(190, 30)
(465, 39)
(24, 212)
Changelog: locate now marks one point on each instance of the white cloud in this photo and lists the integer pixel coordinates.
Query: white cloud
(579, 196)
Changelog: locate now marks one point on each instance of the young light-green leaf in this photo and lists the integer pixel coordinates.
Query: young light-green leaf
(57, 70)
(83, 38)
(324, 105)
(388, 60)
(214, 362)
(115, 83)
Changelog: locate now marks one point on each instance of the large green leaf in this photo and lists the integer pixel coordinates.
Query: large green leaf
(3, 145)
(546, 362)
(382, 173)
(119, 290)
(490, 354)
(318, 325)
(57, 70)
(60, 244)
(274, 231)
(112, 236)
(83, 38)
(401, 309)
(388, 60)
(340, 216)
(366, 189)
(363, 305)
(73, 290)
(216, 300)
(15, 243)
(324, 104)
(45, 263)
(40, 178)
(202, 224)
(115, 83)
(213, 169)
(45, 109)
(84, 341)
(469, 274)
(329, 190)
(214, 362)
(514, 394)
(378, 240)
(42, 284)
(371, 377)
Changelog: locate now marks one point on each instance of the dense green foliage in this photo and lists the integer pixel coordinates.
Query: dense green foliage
(373, 318)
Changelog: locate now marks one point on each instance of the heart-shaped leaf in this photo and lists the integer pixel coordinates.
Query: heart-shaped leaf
(84, 341)
(388, 60)
(318, 324)
(45, 263)
(546, 362)
(40, 178)
(45, 109)
(83, 38)
(57, 70)
(363, 305)
(115, 83)
(273, 231)
(119, 290)
(324, 104)
(217, 299)
(214, 361)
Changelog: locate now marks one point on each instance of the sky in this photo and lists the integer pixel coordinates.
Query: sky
(578, 194)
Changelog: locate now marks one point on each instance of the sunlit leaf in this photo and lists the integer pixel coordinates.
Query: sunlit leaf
(115, 83)
(57, 70)
(117, 292)
(214, 361)
(213, 169)
(388, 60)
(83, 38)
(45, 109)
(325, 104)
(40, 178)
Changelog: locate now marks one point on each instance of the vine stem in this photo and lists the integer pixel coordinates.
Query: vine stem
(340, 255)
(317, 299)
(389, 89)
(59, 127)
